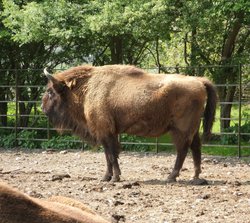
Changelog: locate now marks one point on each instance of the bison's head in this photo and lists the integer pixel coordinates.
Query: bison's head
(54, 100)
(63, 105)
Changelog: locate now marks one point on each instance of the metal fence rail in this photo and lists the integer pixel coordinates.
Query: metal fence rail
(22, 123)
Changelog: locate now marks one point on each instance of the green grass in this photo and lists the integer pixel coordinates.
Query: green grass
(225, 151)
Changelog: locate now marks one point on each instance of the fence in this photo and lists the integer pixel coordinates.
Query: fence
(22, 123)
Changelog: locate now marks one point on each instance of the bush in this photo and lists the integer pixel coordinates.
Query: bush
(8, 141)
(233, 138)
(62, 142)
(230, 139)
(29, 139)
(246, 128)
(134, 147)
(26, 139)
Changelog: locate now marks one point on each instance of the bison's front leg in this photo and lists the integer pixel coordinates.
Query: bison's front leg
(109, 172)
(181, 155)
(112, 150)
(182, 145)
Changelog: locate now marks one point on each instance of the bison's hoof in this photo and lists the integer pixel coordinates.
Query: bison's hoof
(115, 179)
(106, 178)
(198, 181)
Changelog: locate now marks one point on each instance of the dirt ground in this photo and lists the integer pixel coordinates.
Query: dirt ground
(142, 196)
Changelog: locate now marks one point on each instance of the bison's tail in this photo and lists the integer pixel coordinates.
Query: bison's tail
(210, 109)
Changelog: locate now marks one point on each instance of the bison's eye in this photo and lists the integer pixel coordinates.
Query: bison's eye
(50, 93)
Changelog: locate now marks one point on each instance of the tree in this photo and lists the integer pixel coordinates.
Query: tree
(217, 32)
(30, 40)
(130, 28)
(142, 32)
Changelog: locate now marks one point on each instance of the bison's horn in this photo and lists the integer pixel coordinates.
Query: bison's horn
(47, 74)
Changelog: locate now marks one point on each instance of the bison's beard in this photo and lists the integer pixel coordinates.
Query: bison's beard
(63, 122)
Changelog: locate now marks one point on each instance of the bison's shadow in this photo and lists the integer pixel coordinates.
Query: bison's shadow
(191, 183)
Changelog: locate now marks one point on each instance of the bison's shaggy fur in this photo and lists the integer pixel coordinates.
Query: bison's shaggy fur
(98, 103)
(16, 207)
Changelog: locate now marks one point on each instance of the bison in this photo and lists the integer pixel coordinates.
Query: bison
(98, 103)
(16, 207)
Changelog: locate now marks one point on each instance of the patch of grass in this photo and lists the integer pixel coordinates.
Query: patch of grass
(225, 151)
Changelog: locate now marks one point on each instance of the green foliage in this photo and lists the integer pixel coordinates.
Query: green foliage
(135, 143)
(45, 21)
(8, 141)
(93, 26)
(25, 139)
(29, 139)
(232, 139)
(61, 142)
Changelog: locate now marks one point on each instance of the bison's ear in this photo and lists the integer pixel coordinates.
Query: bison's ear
(59, 86)
(71, 83)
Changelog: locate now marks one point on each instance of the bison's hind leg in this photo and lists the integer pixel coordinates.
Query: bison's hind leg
(112, 149)
(182, 143)
(196, 153)
(185, 134)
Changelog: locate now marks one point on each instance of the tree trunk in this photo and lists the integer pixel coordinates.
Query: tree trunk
(225, 109)
(228, 74)
(193, 49)
(116, 50)
(3, 111)
(24, 111)
(3, 98)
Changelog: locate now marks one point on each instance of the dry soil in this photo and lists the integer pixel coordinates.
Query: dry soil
(142, 196)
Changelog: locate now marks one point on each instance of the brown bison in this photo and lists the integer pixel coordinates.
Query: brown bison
(16, 207)
(98, 103)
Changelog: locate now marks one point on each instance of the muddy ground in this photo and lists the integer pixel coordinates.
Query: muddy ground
(142, 196)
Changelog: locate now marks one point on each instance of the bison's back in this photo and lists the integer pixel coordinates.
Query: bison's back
(139, 103)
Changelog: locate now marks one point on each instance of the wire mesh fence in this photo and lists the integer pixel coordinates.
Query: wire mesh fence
(23, 125)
